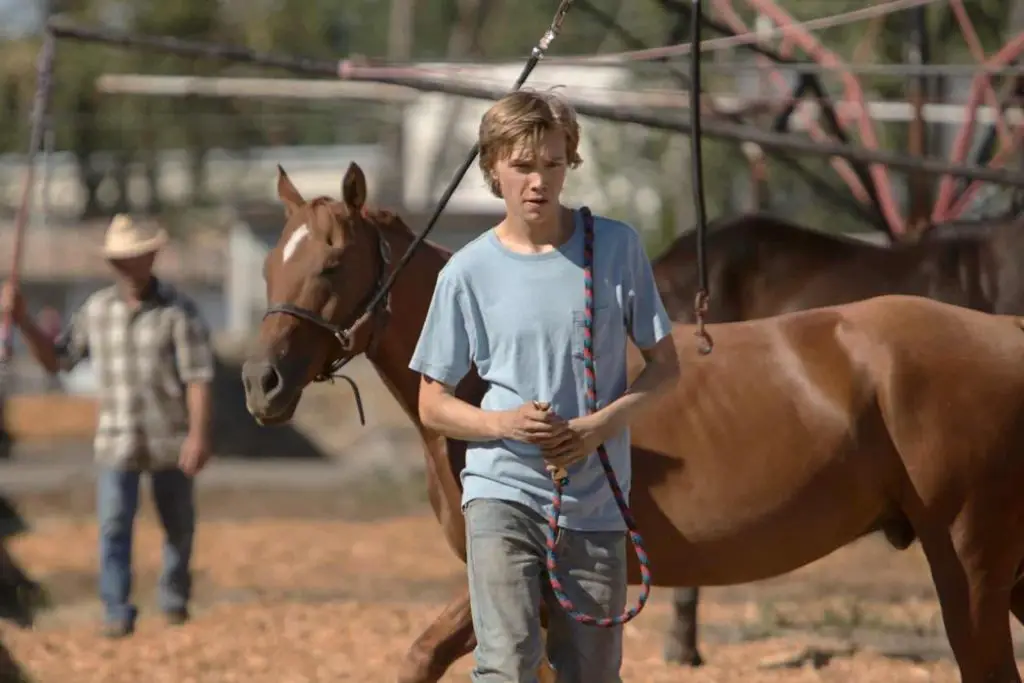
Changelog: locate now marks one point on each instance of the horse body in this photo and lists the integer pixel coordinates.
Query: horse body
(761, 266)
(797, 435)
(857, 403)
(711, 525)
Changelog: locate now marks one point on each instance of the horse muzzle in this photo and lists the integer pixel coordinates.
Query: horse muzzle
(269, 396)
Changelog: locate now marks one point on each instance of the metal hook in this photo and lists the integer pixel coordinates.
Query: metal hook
(700, 309)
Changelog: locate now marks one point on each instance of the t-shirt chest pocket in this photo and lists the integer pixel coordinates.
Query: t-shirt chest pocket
(603, 331)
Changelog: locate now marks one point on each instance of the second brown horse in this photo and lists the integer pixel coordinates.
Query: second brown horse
(761, 266)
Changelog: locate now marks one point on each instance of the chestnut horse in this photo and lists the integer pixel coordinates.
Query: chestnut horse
(899, 414)
(761, 266)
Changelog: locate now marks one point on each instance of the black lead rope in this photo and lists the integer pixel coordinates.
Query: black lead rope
(700, 304)
(535, 56)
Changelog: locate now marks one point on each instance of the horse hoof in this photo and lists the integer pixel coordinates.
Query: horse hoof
(680, 656)
(415, 669)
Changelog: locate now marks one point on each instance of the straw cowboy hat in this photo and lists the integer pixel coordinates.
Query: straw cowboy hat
(127, 238)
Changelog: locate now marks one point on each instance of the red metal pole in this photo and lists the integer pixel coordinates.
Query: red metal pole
(947, 185)
(44, 83)
(827, 58)
(998, 160)
(814, 129)
(978, 52)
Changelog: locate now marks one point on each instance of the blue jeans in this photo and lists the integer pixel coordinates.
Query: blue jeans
(507, 581)
(117, 501)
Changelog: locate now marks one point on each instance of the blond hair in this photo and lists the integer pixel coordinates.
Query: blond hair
(523, 117)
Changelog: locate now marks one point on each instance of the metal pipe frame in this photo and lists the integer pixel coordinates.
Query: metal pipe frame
(943, 209)
(415, 79)
(855, 176)
(811, 178)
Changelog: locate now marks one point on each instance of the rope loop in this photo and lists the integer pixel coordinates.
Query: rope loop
(561, 477)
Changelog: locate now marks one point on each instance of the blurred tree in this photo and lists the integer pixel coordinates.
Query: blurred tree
(198, 123)
(78, 109)
(465, 44)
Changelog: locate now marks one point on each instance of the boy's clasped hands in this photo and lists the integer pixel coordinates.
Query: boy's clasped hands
(562, 442)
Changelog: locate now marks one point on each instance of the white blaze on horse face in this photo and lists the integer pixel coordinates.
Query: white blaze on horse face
(293, 242)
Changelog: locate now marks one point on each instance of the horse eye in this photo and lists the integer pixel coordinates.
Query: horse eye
(330, 269)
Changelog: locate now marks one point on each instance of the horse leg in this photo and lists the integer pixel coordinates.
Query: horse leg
(1017, 602)
(449, 638)
(681, 639)
(545, 672)
(973, 575)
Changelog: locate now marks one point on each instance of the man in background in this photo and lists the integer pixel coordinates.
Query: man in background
(151, 355)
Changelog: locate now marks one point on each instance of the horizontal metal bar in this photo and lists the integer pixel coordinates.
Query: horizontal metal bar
(900, 70)
(673, 121)
(288, 88)
(878, 110)
(285, 88)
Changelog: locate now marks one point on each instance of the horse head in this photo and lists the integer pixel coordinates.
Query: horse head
(321, 278)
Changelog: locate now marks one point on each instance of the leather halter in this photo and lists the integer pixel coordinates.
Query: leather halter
(343, 333)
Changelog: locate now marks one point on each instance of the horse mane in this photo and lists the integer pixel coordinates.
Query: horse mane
(388, 220)
(380, 217)
(971, 230)
(384, 219)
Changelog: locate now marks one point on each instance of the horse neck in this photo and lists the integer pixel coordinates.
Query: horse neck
(952, 269)
(409, 301)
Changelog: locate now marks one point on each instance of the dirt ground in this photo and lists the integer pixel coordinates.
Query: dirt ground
(299, 587)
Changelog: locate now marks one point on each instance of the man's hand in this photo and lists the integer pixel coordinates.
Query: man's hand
(581, 438)
(11, 301)
(195, 452)
(534, 423)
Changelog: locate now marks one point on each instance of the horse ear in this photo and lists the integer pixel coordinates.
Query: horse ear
(353, 187)
(287, 192)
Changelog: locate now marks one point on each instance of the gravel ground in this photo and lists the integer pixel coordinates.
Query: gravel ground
(316, 598)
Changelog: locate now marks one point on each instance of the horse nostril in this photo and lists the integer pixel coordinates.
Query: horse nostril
(270, 380)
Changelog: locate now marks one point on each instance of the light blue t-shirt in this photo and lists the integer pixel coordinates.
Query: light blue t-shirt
(520, 319)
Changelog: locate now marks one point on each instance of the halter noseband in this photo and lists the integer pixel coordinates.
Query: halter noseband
(343, 333)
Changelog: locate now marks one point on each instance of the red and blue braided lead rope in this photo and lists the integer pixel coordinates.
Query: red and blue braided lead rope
(562, 481)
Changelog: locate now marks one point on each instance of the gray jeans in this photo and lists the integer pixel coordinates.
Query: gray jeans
(508, 580)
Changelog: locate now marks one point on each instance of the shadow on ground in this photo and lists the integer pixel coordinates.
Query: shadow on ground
(236, 434)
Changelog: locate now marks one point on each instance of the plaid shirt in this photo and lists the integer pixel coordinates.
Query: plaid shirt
(143, 360)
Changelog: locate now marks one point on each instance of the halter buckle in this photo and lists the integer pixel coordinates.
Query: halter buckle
(344, 339)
